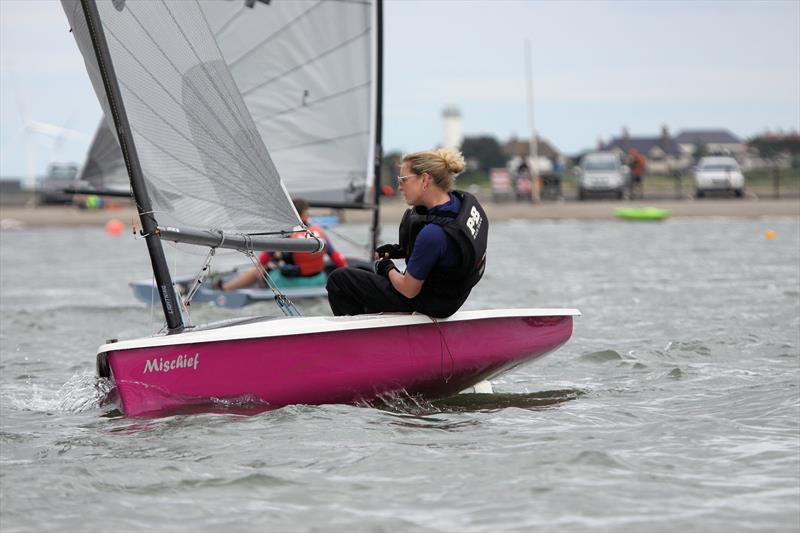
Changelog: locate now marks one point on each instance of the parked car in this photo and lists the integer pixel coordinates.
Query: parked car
(718, 174)
(601, 172)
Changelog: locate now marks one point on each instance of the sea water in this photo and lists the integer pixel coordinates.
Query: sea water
(675, 406)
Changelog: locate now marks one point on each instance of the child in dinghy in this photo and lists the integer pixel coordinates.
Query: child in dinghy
(290, 265)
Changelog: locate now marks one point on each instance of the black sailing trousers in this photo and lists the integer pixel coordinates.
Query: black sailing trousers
(352, 291)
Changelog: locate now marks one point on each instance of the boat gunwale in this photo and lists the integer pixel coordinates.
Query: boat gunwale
(265, 327)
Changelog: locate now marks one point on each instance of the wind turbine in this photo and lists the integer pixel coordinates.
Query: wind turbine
(33, 129)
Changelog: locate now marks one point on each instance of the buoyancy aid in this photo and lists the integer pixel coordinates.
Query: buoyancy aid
(469, 229)
(309, 263)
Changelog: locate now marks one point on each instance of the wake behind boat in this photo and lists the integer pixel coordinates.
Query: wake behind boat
(201, 175)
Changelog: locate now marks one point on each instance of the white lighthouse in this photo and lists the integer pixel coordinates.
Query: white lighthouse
(453, 129)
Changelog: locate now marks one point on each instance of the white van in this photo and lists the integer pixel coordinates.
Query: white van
(718, 174)
(601, 172)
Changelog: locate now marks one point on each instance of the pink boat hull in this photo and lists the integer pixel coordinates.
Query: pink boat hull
(433, 360)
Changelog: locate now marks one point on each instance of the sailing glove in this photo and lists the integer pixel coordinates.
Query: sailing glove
(382, 267)
(394, 251)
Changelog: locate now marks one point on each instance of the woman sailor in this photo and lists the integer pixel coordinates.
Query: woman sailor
(442, 238)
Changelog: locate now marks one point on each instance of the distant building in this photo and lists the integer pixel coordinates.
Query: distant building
(664, 155)
(518, 150)
(712, 142)
(10, 185)
(521, 148)
(13, 193)
(453, 128)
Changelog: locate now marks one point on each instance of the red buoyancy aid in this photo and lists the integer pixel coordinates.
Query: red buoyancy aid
(310, 263)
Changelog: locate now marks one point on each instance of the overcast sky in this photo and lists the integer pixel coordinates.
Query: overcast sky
(598, 66)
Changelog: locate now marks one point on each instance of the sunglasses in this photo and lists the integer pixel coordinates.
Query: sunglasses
(402, 179)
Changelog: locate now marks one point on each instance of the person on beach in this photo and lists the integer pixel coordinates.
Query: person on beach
(523, 183)
(637, 163)
(443, 239)
(290, 264)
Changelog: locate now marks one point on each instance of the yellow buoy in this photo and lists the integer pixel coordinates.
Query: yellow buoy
(769, 234)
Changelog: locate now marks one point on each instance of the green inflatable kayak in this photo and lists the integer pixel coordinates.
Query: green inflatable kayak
(642, 213)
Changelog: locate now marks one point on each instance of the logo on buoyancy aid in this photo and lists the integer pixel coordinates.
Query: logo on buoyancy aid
(166, 365)
(474, 221)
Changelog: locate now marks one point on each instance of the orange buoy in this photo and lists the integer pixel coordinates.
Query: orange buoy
(115, 227)
(769, 234)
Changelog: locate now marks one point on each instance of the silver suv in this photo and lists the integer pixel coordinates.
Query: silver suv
(718, 174)
(601, 172)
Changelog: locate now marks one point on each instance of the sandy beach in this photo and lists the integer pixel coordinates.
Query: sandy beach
(391, 211)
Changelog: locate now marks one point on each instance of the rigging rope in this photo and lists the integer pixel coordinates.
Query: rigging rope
(199, 278)
(177, 294)
(284, 304)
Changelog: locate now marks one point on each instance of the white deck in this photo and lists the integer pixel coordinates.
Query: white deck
(283, 326)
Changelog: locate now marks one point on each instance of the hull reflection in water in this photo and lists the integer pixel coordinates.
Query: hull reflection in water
(320, 360)
(499, 400)
(405, 404)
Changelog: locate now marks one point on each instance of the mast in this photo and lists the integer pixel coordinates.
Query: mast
(149, 225)
(378, 123)
(533, 147)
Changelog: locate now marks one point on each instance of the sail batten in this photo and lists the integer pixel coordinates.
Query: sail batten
(232, 63)
(322, 141)
(322, 55)
(308, 104)
(231, 18)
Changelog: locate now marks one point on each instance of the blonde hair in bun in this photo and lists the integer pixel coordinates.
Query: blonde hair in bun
(442, 164)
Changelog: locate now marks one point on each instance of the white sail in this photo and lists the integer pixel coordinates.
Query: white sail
(305, 69)
(203, 161)
(104, 168)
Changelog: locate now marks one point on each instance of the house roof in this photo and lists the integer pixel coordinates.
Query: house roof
(516, 147)
(644, 145)
(707, 137)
